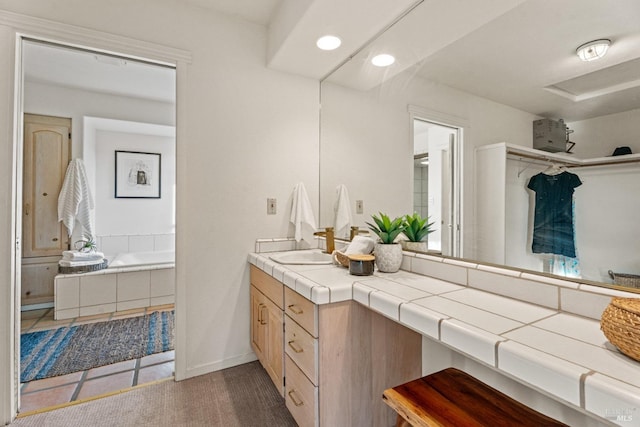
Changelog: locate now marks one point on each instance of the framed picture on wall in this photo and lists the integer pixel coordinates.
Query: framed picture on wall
(137, 175)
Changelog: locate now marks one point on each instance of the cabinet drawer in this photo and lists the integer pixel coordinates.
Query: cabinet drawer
(302, 348)
(303, 311)
(267, 285)
(301, 396)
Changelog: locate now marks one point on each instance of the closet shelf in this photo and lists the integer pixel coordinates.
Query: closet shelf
(564, 159)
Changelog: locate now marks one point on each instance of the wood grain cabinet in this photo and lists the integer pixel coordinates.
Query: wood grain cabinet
(338, 358)
(301, 358)
(267, 324)
(47, 151)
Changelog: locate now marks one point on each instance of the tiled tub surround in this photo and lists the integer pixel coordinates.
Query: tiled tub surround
(113, 244)
(113, 289)
(542, 332)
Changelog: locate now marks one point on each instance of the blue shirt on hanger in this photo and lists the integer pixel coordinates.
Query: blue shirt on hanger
(553, 219)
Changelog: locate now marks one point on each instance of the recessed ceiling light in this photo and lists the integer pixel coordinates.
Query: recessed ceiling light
(328, 42)
(383, 60)
(593, 50)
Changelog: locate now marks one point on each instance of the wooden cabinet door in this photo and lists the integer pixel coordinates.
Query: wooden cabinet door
(267, 323)
(275, 345)
(38, 276)
(258, 324)
(47, 150)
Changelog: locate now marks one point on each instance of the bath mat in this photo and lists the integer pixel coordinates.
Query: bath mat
(64, 350)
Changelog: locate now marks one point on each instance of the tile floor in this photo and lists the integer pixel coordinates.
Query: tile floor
(37, 395)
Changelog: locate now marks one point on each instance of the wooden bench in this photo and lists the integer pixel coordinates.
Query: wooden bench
(454, 398)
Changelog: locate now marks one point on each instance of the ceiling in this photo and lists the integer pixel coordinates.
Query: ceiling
(256, 11)
(517, 52)
(73, 68)
(526, 58)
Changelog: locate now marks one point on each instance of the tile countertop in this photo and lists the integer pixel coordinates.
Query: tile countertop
(565, 356)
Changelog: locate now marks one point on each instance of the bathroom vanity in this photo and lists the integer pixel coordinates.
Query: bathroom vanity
(336, 357)
(535, 338)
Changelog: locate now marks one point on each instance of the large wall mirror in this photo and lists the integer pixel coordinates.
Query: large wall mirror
(488, 70)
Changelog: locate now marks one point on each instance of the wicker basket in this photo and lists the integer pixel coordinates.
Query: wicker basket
(620, 323)
(629, 280)
(83, 269)
(341, 258)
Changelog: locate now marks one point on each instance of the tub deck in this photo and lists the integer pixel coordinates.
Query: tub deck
(120, 287)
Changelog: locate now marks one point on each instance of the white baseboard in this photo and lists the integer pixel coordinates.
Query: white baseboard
(218, 365)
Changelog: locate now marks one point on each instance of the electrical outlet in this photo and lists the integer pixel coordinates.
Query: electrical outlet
(359, 206)
(271, 206)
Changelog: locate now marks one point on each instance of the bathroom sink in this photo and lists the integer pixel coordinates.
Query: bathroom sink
(302, 257)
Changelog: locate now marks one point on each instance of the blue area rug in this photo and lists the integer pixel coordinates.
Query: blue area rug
(61, 351)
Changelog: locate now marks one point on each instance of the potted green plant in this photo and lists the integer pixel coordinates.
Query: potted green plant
(388, 253)
(88, 245)
(416, 230)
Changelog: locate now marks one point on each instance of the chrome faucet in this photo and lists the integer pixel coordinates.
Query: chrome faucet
(329, 239)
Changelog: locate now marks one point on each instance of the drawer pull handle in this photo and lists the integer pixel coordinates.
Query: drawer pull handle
(295, 309)
(263, 320)
(259, 320)
(295, 347)
(295, 401)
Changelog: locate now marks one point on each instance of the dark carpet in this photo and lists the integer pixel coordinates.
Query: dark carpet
(61, 351)
(242, 396)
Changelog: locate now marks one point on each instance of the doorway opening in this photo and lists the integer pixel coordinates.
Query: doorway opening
(436, 188)
(84, 105)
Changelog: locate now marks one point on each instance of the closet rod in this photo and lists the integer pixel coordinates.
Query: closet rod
(572, 163)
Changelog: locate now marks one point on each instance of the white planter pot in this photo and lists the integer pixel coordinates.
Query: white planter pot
(388, 257)
(414, 246)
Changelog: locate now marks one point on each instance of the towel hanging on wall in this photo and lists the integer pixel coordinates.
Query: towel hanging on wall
(342, 212)
(301, 212)
(75, 202)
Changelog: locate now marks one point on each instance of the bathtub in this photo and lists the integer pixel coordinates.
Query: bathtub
(133, 280)
(135, 259)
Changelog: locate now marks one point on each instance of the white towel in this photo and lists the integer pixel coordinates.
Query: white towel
(75, 202)
(360, 245)
(81, 256)
(342, 210)
(301, 212)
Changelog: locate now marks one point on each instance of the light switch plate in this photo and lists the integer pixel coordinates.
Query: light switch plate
(271, 206)
(359, 206)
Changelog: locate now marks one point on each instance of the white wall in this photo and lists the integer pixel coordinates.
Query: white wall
(248, 133)
(133, 216)
(599, 136)
(606, 211)
(60, 101)
(53, 100)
